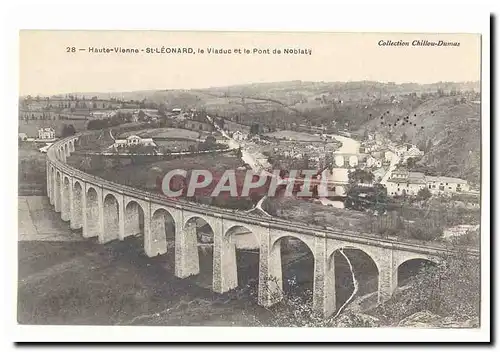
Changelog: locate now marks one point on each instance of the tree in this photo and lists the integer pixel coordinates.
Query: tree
(210, 141)
(68, 130)
(360, 176)
(255, 128)
(404, 138)
(221, 123)
(424, 194)
(141, 115)
(411, 163)
(239, 153)
(429, 146)
(450, 289)
(97, 124)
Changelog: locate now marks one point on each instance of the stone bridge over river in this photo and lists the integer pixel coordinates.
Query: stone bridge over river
(112, 211)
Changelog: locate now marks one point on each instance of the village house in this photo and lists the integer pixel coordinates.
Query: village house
(103, 114)
(442, 184)
(240, 136)
(400, 150)
(373, 162)
(46, 134)
(388, 155)
(412, 152)
(133, 141)
(22, 136)
(404, 182)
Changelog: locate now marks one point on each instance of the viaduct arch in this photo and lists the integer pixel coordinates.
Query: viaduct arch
(110, 211)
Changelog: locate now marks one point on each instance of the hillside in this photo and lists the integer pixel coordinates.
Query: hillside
(452, 127)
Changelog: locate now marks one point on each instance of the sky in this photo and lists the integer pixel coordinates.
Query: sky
(48, 65)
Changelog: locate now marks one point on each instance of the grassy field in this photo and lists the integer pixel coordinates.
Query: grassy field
(31, 171)
(307, 212)
(145, 176)
(176, 145)
(116, 284)
(165, 133)
(31, 127)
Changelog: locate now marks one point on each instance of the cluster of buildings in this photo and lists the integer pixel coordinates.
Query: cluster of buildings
(316, 152)
(189, 119)
(406, 182)
(382, 150)
(45, 134)
(103, 114)
(240, 136)
(136, 114)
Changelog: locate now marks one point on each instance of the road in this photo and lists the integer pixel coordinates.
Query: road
(251, 158)
(392, 167)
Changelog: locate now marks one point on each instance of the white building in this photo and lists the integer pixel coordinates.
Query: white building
(46, 133)
(134, 141)
(401, 150)
(404, 182)
(442, 184)
(240, 136)
(412, 152)
(373, 162)
(103, 114)
(388, 155)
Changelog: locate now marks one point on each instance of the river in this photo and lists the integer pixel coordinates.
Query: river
(341, 174)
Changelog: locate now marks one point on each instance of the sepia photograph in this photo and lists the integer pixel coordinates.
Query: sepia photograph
(250, 179)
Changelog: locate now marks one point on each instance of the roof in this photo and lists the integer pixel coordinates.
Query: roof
(407, 180)
(444, 179)
(133, 137)
(22, 134)
(413, 174)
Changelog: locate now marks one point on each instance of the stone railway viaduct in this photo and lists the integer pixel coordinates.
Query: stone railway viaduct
(112, 211)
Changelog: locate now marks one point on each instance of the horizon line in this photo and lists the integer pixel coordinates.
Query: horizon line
(248, 84)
